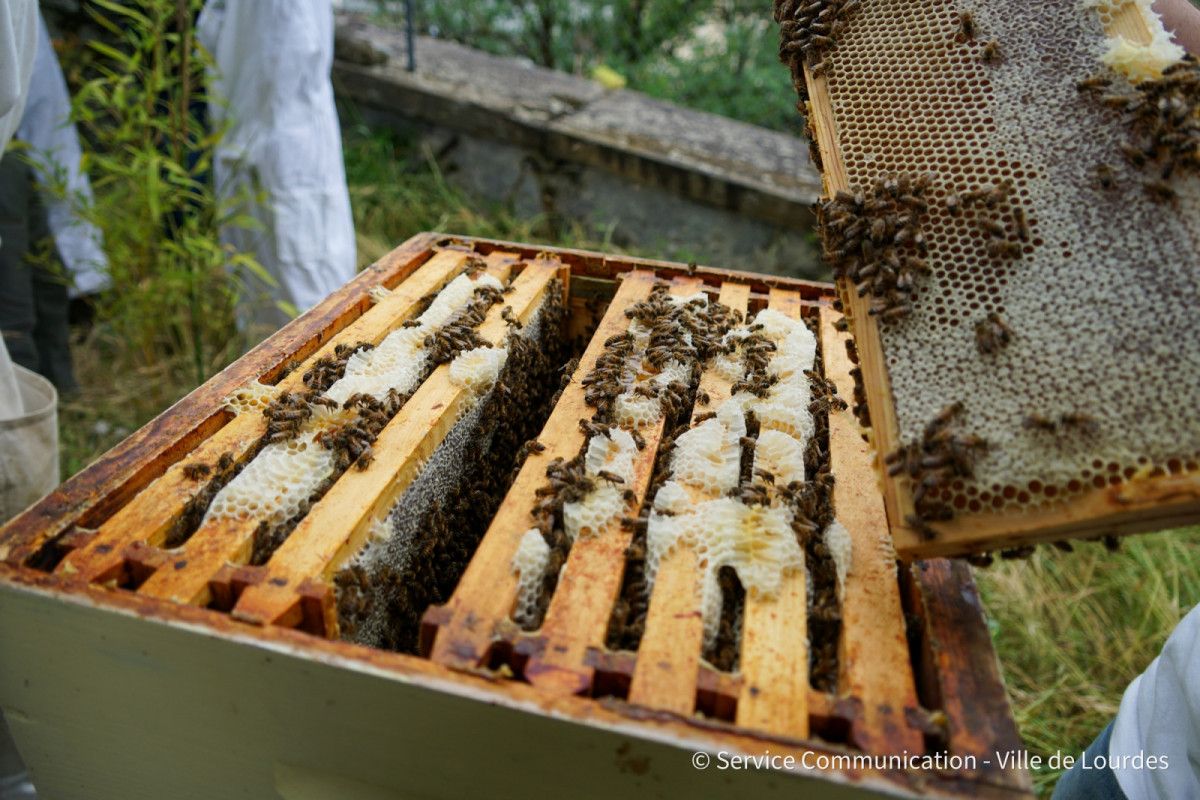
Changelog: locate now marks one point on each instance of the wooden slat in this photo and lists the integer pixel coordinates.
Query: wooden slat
(231, 540)
(103, 487)
(968, 674)
(774, 660)
(774, 694)
(338, 526)
(463, 628)
(582, 603)
(149, 516)
(873, 658)
(669, 654)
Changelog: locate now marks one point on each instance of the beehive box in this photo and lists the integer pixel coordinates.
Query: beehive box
(1012, 211)
(442, 607)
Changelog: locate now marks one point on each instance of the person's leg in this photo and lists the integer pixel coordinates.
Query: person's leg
(51, 333)
(1090, 784)
(18, 316)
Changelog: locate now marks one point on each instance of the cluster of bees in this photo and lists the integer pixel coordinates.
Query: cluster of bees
(1161, 116)
(328, 370)
(459, 333)
(189, 521)
(944, 454)
(400, 587)
(808, 29)
(875, 241)
(689, 333)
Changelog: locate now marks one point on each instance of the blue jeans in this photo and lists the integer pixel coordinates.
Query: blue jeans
(1091, 784)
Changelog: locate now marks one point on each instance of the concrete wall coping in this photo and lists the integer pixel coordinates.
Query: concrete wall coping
(705, 157)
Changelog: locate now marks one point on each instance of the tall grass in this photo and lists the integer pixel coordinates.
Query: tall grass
(1073, 629)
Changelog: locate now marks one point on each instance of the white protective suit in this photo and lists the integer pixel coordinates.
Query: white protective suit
(54, 147)
(18, 32)
(18, 37)
(273, 58)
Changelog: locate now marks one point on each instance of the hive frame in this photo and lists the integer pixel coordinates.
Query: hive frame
(1137, 506)
(192, 658)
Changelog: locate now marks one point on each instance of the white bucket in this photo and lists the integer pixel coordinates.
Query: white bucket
(29, 446)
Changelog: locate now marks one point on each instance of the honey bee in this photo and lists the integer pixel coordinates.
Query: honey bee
(1159, 190)
(1133, 155)
(920, 526)
(1080, 421)
(981, 560)
(1001, 249)
(196, 471)
(225, 461)
(1023, 231)
(991, 53)
(953, 205)
(611, 477)
(1094, 83)
(942, 419)
(966, 24)
(1037, 421)
(992, 333)
(992, 227)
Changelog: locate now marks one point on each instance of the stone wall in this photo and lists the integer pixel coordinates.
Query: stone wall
(643, 172)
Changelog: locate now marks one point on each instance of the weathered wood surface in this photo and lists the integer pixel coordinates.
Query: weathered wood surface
(464, 627)
(338, 526)
(92, 496)
(668, 659)
(149, 516)
(774, 660)
(873, 658)
(218, 541)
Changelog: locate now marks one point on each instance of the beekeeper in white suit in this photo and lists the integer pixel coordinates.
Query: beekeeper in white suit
(18, 43)
(273, 58)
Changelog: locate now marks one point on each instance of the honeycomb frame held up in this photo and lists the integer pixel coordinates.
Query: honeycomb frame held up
(1050, 299)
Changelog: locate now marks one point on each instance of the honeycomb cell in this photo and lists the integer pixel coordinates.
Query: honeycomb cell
(911, 96)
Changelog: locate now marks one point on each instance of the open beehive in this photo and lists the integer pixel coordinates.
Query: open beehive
(1012, 215)
(500, 519)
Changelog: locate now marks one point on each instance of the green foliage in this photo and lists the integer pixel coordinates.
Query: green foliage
(714, 55)
(149, 161)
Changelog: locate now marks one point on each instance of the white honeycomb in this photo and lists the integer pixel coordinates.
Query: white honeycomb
(605, 504)
(529, 563)
(273, 486)
(1101, 301)
(1134, 60)
(841, 550)
(708, 456)
(400, 360)
(781, 455)
(476, 370)
(756, 541)
(378, 293)
(252, 398)
(633, 410)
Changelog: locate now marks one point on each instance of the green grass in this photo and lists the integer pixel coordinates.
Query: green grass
(1071, 630)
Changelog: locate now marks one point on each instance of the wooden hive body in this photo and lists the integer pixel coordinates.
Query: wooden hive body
(147, 656)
